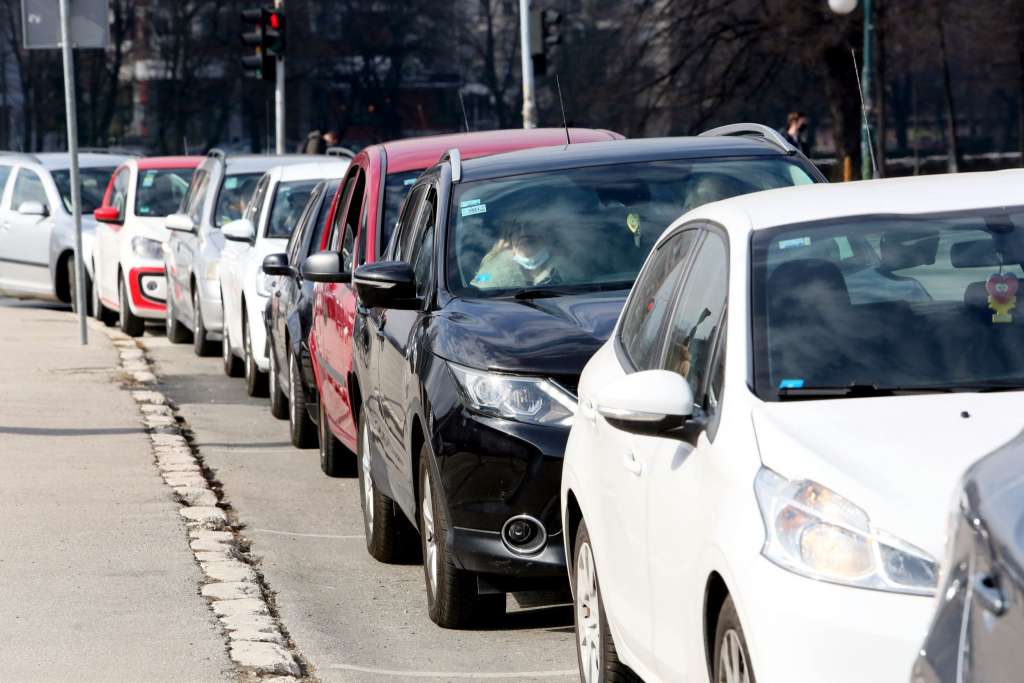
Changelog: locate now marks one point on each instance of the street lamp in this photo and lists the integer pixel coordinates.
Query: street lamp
(866, 153)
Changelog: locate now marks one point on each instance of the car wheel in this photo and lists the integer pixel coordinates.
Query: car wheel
(300, 424)
(335, 459)
(176, 332)
(595, 649)
(452, 598)
(731, 657)
(73, 290)
(200, 344)
(389, 535)
(102, 313)
(232, 363)
(130, 324)
(278, 400)
(255, 381)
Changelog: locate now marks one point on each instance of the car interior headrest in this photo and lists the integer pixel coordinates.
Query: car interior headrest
(908, 248)
(976, 295)
(795, 286)
(974, 254)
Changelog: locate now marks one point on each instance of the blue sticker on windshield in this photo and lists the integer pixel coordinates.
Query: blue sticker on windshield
(795, 242)
(791, 384)
(409, 181)
(482, 277)
(468, 202)
(473, 210)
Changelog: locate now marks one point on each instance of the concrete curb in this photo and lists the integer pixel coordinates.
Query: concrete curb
(256, 641)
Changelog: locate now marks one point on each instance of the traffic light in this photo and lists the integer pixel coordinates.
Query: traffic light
(545, 33)
(267, 35)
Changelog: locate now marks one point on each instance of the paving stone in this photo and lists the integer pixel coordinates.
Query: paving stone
(184, 479)
(204, 515)
(169, 440)
(214, 555)
(196, 496)
(231, 570)
(261, 636)
(212, 546)
(260, 623)
(158, 420)
(155, 409)
(208, 535)
(131, 352)
(230, 590)
(223, 608)
(179, 467)
(135, 365)
(264, 657)
(144, 377)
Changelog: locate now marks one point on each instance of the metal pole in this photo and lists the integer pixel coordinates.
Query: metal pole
(866, 170)
(76, 191)
(529, 96)
(279, 97)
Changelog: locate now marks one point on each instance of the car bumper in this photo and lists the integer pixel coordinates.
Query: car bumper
(147, 288)
(799, 629)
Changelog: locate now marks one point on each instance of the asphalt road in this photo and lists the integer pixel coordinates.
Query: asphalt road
(353, 618)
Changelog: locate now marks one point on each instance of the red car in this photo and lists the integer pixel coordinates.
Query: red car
(365, 209)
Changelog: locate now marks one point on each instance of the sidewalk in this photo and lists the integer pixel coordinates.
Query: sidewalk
(97, 581)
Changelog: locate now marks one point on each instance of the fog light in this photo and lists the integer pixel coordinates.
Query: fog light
(151, 286)
(523, 535)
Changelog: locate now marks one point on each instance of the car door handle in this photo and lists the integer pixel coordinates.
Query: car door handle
(988, 594)
(632, 465)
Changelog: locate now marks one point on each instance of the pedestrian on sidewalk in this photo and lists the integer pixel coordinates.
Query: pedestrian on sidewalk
(795, 130)
(318, 143)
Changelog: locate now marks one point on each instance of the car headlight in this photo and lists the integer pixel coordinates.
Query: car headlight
(147, 248)
(264, 283)
(813, 531)
(525, 399)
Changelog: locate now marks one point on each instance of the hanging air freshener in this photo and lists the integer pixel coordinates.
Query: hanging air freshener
(1002, 296)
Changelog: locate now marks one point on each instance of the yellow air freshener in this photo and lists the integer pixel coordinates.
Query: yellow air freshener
(633, 223)
(1002, 296)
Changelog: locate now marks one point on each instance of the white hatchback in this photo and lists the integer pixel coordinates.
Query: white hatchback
(264, 228)
(770, 502)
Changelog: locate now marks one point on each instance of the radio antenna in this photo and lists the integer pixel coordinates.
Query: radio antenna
(864, 115)
(464, 116)
(561, 103)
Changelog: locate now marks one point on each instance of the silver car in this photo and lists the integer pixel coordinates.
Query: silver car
(37, 231)
(220, 190)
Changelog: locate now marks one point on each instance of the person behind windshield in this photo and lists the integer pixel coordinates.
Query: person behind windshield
(522, 257)
(713, 187)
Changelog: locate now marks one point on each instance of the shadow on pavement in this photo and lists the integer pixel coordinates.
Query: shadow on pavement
(75, 431)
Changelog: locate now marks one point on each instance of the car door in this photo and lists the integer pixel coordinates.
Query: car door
(678, 472)
(25, 246)
(6, 173)
(619, 526)
(289, 287)
(182, 245)
(107, 251)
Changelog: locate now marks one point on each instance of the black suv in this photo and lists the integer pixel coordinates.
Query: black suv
(505, 274)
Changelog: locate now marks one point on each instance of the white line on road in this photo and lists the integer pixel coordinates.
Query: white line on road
(515, 675)
(295, 533)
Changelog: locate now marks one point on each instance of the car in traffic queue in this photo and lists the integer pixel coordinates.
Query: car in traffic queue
(221, 187)
(365, 210)
(264, 228)
(37, 231)
(289, 317)
(756, 483)
(128, 260)
(505, 274)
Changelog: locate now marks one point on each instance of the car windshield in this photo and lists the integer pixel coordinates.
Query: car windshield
(289, 201)
(93, 182)
(586, 228)
(234, 195)
(396, 186)
(886, 304)
(160, 191)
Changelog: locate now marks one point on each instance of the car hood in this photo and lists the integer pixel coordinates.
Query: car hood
(555, 336)
(899, 458)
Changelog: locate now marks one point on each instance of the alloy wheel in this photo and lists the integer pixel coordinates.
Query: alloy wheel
(430, 535)
(197, 315)
(225, 348)
(588, 615)
(732, 663)
(273, 375)
(293, 413)
(247, 345)
(364, 446)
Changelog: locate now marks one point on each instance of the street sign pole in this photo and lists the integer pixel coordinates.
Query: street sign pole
(529, 96)
(76, 190)
(279, 96)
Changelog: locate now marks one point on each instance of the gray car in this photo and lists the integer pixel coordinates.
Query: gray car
(37, 231)
(978, 628)
(220, 190)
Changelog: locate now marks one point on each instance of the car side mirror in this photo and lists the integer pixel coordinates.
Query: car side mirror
(277, 264)
(180, 222)
(240, 230)
(325, 266)
(651, 402)
(33, 209)
(107, 214)
(386, 284)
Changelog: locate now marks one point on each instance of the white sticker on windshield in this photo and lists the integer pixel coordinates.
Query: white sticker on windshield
(230, 183)
(475, 209)
(147, 180)
(468, 202)
(795, 242)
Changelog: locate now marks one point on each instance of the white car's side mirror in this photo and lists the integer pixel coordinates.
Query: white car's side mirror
(240, 230)
(180, 222)
(32, 209)
(647, 402)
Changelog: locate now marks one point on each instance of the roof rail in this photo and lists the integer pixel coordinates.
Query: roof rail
(757, 130)
(217, 152)
(453, 156)
(339, 151)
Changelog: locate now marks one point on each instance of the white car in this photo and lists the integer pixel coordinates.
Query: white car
(128, 259)
(264, 228)
(770, 502)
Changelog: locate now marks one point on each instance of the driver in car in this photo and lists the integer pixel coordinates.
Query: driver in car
(522, 258)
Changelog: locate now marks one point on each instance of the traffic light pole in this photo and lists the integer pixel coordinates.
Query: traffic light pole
(279, 97)
(529, 94)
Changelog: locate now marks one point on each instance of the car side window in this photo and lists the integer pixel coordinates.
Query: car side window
(254, 210)
(119, 191)
(640, 332)
(297, 240)
(28, 187)
(403, 235)
(350, 225)
(338, 221)
(422, 253)
(5, 175)
(193, 204)
(698, 316)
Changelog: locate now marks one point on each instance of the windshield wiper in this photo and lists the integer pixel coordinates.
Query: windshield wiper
(541, 293)
(857, 390)
(544, 292)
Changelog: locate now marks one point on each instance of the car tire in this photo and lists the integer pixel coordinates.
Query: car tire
(130, 324)
(595, 650)
(232, 363)
(255, 381)
(101, 312)
(390, 538)
(73, 290)
(731, 658)
(452, 598)
(278, 399)
(300, 424)
(201, 345)
(335, 459)
(176, 332)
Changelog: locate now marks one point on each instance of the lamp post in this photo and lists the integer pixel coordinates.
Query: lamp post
(866, 153)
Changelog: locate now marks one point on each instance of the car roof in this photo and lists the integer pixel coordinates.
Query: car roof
(415, 154)
(61, 160)
(329, 167)
(895, 196)
(254, 163)
(148, 163)
(618, 152)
